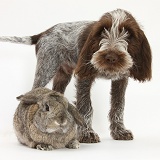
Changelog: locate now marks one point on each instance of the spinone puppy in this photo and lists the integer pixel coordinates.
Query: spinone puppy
(114, 47)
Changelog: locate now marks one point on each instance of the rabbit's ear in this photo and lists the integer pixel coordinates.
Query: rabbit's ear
(27, 99)
(77, 117)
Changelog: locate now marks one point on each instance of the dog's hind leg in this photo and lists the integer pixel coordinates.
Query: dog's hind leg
(46, 69)
(62, 78)
(118, 130)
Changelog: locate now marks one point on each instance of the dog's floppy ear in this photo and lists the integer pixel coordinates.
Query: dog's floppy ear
(28, 99)
(140, 51)
(77, 117)
(89, 44)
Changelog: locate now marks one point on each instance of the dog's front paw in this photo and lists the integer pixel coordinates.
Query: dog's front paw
(89, 136)
(44, 147)
(122, 135)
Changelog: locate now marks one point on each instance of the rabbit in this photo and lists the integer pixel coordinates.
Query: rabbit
(45, 120)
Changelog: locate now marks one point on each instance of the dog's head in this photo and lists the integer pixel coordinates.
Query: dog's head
(116, 46)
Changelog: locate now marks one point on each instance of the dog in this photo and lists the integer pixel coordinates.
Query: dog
(114, 47)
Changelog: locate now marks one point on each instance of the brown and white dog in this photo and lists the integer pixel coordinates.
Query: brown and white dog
(113, 47)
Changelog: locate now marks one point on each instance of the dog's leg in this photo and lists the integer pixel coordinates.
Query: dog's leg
(47, 66)
(118, 131)
(62, 79)
(84, 106)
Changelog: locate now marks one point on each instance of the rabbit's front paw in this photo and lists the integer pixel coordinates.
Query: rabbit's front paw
(73, 144)
(44, 147)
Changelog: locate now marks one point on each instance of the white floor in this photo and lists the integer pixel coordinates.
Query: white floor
(142, 148)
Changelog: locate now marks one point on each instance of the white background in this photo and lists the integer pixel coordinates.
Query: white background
(17, 67)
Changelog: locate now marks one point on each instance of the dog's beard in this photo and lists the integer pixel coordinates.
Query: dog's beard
(115, 70)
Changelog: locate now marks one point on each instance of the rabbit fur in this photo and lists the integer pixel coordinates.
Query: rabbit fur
(44, 119)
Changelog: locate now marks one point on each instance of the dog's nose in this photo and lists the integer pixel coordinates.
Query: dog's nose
(111, 58)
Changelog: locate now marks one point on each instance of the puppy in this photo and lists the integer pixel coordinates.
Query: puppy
(114, 47)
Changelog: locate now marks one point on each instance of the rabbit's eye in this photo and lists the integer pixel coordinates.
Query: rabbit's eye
(46, 107)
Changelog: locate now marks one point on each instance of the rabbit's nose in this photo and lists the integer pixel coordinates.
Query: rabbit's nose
(61, 122)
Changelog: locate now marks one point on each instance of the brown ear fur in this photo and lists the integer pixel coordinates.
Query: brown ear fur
(89, 44)
(141, 54)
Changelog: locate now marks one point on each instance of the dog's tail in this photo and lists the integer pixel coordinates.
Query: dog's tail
(29, 40)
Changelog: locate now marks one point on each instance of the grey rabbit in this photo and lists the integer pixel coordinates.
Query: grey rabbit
(45, 120)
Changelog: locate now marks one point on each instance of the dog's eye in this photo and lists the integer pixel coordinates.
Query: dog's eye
(46, 107)
(121, 29)
(130, 36)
